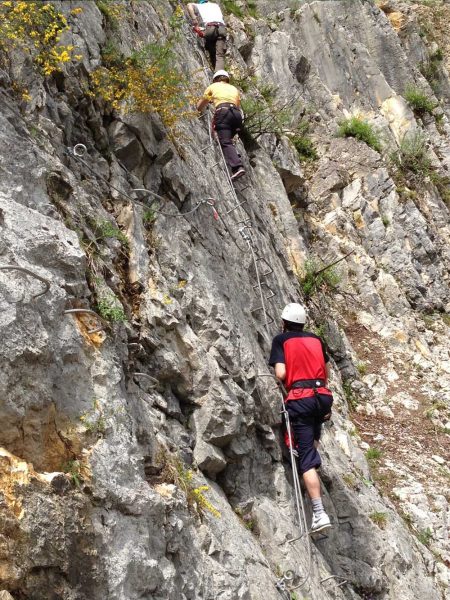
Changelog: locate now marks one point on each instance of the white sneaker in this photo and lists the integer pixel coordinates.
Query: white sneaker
(320, 522)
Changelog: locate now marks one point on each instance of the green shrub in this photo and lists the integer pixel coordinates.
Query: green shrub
(105, 229)
(109, 308)
(379, 518)
(265, 112)
(425, 536)
(361, 130)
(317, 278)
(305, 147)
(412, 156)
(73, 468)
(419, 101)
(362, 368)
(373, 454)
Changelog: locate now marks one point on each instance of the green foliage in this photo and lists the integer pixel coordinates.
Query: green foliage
(73, 469)
(373, 454)
(176, 473)
(317, 278)
(362, 368)
(320, 330)
(105, 229)
(385, 220)
(147, 81)
(361, 130)
(350, 396)
(110, 309)
(149, 216)
(412, 155)
(425, 536)
(305, 147)
(112, 10)
(94, 420)
(350, 480)
(431, 69)
(419, 101)
(231, 7)
(379, 518)
(265, 112)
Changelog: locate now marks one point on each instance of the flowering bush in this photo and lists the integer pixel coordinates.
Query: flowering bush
(36, 28)
(145, 82)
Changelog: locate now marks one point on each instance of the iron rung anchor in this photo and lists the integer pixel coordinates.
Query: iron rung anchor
(235, 207)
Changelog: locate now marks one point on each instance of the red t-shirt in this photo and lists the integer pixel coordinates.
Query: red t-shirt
(304, 356)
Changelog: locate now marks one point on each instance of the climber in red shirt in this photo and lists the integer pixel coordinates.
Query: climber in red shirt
(300, 360)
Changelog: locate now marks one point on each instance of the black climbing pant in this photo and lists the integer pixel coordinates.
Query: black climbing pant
(306, 417)
(227, 122)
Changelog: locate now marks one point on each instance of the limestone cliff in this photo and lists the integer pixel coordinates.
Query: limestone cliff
(111, 424)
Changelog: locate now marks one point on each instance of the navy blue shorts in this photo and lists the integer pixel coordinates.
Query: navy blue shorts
(306, 417)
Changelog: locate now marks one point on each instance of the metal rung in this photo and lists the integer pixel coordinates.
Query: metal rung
(250, 226)
(271, 295)
(262, 283)
(294, 540)
(206, 148)
(237, 206)
(247, 187)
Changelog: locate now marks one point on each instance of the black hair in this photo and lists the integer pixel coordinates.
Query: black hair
(290, 326)
(221, 78)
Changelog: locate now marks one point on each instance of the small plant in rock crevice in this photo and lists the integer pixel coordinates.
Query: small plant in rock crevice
(373, 454)
(105, 229)
(425, 536)
(74, 469)
(349, 394)
(361, 130)
(317, 278)
(174, 471)
(110, 309)
(419, 101)
(379, 518)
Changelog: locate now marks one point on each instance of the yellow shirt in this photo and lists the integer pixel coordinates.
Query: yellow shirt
(221, 92)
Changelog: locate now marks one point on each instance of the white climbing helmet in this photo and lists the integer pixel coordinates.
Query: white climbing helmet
(221, 73)
(295, 313)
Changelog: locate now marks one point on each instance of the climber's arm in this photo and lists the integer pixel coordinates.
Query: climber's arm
(280, 371)
(192, 14)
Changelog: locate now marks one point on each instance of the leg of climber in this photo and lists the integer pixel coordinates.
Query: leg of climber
(221, 47)
(304, 421)
(227, 122)
(210, 35)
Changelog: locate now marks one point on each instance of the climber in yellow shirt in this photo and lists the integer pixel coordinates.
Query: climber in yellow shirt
(227, 118)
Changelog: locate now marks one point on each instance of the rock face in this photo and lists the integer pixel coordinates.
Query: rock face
(111, 430)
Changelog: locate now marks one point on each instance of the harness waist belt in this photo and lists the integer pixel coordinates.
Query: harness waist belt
(308, 384)
(226, 105)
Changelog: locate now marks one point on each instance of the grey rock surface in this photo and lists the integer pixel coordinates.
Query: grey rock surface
(108, 437)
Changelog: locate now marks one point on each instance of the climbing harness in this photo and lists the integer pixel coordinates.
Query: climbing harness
(31, 274)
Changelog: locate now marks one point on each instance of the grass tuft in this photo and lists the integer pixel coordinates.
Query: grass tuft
(361, 130)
